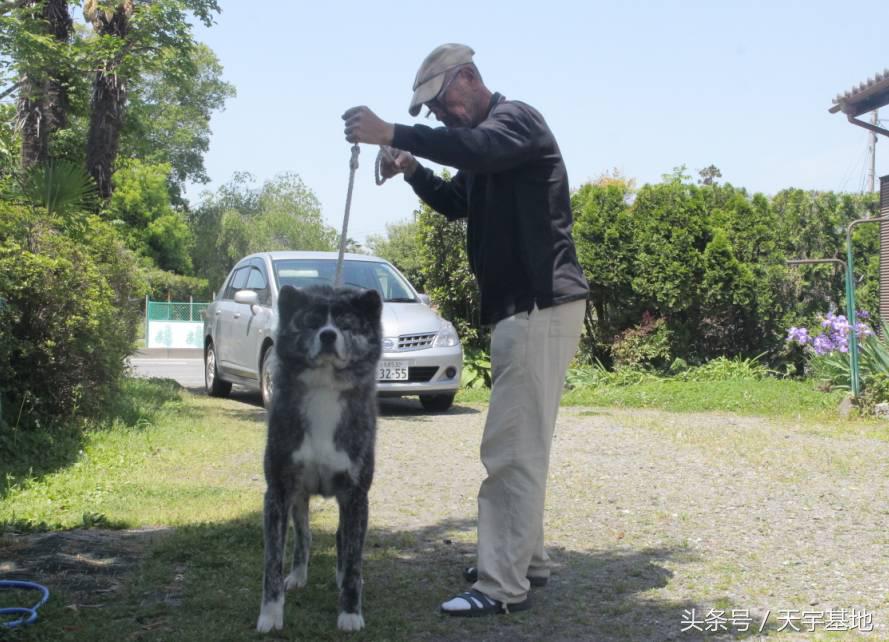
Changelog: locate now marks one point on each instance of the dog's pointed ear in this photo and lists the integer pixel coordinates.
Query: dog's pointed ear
(289, 301)
(370, 304)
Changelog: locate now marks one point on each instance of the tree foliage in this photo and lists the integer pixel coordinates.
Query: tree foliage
(168, 116)
(401, 247)
(152, 227)
(239, 219)
(132, 39)
(603, 234)
(61, 187)
(133, 81)
(445, 273)
(812, 225)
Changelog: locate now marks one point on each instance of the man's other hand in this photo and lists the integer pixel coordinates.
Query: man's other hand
(401, 161)
(364, 126)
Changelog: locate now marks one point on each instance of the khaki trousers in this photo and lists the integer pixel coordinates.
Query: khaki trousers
(530, 354)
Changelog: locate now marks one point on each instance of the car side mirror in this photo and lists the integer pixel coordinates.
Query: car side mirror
(425, 300)
(248, 297)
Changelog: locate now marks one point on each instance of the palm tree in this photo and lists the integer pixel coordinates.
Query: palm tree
(109, 96)
(61, 187)
(43, 97)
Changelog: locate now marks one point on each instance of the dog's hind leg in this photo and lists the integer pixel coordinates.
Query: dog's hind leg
(350, 547)
(271, 614)
(302, 541)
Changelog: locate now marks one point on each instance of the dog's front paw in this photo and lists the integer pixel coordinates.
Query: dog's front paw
(297, 578)
(350, 622)
(271, 616)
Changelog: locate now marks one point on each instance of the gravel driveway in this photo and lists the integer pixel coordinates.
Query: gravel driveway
(660, 522)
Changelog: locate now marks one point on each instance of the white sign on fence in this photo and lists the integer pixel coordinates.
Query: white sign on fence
(175, 334)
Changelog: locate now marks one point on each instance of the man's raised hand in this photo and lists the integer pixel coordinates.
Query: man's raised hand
(364, 126)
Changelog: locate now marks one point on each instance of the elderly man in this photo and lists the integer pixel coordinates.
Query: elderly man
(512, 187)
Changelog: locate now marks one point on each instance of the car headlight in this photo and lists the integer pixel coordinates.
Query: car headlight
(447, 336)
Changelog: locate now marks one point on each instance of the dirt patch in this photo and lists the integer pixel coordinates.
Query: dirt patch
(92, 565)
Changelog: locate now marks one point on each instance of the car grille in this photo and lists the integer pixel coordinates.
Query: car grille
(408, 342)
(421, 373)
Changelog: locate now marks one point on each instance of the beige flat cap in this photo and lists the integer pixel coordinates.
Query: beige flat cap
(431, 74)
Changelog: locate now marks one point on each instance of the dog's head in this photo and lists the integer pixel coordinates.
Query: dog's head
(321, 326)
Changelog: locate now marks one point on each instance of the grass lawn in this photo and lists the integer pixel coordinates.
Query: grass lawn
(767, 397)
(181, 474)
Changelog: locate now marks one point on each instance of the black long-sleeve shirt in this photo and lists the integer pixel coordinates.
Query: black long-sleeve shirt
(512, 187)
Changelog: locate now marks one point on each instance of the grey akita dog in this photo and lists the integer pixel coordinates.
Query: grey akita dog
(321, 434)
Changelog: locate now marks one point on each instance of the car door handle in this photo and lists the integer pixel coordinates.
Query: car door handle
(218, 312)
(237, 315)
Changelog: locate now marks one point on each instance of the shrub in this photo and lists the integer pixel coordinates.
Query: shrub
(69, 316)
(164, 285)
(591, 376)
(876, 391)
(476, 368)
(719, 369)
(710, 259)
(646, 345)
(725, 369)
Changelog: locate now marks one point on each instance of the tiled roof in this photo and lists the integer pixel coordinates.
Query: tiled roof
(867, 96)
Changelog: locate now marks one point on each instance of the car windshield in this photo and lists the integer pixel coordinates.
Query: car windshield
(369, 275)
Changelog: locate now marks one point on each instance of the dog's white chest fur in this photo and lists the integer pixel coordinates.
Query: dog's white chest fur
(318, 455)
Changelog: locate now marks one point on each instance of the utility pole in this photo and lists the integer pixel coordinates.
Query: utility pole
(872, 154)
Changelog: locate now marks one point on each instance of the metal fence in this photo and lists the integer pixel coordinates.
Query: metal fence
(175, 311)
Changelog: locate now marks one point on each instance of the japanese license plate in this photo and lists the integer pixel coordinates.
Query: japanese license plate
(392, 371)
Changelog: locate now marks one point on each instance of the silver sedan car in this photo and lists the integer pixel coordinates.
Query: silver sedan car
(422, 354)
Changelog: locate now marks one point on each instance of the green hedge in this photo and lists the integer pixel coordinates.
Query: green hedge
(69, 315)
(163, 286)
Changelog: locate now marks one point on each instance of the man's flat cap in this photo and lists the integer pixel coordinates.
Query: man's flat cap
(431, 74)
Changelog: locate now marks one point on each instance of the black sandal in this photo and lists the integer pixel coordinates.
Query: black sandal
(480, 604)
(470, 574)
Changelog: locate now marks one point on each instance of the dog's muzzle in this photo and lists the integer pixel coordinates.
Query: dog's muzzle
(328, 344)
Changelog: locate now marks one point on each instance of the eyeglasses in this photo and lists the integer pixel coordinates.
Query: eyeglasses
(435, 102)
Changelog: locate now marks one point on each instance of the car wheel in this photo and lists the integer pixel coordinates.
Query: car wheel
(437, 403)
(216, 387)
(265, 377)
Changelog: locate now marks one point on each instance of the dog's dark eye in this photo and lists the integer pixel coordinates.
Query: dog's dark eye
(314, 319)
(345, 319)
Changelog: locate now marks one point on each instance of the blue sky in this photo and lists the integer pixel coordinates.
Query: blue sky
(641, 86)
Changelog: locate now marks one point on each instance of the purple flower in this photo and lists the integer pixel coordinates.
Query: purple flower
(798, 335)
(834, 334)
(823, 345)
(863, 330)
